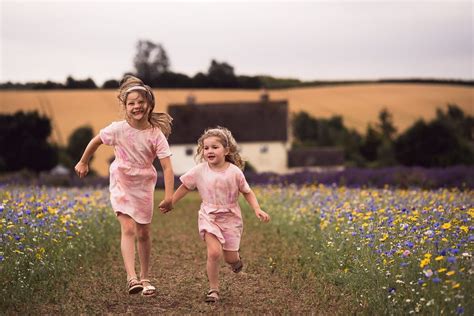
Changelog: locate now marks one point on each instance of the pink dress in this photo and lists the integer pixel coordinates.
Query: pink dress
(132, 175)
(220, 213)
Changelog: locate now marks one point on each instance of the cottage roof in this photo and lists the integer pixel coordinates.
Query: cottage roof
(316, 156)
(248, 121)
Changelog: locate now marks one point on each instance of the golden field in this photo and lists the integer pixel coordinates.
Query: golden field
(358, 104)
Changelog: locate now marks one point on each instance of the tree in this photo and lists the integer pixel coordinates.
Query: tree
(23, 139)
(305, 129)
(200, 80)
(373, 139)
(78, 141)
(385, 126)
(385, 153)
(151, 61)
(458, 121)
(309, 132)
(432, 145)
(111, 84)
(221, 75)
(71, 83)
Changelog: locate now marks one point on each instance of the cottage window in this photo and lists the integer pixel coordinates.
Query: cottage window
(264, 149)
(189, 151)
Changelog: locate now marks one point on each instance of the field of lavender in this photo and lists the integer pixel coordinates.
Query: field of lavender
(396, 251)
(46, 236)
(461, 177)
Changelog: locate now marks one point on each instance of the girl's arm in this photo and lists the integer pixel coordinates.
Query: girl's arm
(252, 200)
(180, 193)
(82, 167)
(168, 174)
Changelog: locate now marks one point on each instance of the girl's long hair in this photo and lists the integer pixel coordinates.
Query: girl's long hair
(161, 120)
(227, 140)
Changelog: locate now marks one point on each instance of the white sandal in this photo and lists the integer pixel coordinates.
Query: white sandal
(212, 296)
(148, 290)
(134, 286)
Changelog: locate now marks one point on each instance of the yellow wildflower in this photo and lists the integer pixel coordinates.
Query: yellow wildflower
(424, 262)
(446, 226)
(471, 212)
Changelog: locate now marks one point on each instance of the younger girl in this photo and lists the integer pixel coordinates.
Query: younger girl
(219, 181)
(137, 140)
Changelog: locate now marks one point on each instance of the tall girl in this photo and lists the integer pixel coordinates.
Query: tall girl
(137, 140)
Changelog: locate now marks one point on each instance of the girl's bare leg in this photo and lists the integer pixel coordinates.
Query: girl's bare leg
(231, 256)
(214, 253)
(144, 249)
(127, 244)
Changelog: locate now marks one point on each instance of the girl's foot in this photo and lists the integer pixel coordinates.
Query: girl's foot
(237, 266)
(134, 286)
(212, 296)
(148, 289)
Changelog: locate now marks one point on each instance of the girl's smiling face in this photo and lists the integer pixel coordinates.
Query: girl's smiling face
(214, 152)
(136, 107)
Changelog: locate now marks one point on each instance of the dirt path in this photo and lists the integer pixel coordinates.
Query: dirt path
(266, 285)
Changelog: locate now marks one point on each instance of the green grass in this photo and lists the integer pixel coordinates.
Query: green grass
(47, 237)
(275, 279)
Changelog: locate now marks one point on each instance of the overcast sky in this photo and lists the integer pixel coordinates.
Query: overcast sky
(309, 40)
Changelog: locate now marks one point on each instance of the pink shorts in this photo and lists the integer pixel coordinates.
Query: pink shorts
(226, 225)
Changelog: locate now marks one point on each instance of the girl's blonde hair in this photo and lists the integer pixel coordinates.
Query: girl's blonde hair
(227, 140)
(158, 119)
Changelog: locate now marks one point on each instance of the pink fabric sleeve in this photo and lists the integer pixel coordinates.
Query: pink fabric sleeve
(162, 147)
(108, 134)
(189, 178)
(242, 182)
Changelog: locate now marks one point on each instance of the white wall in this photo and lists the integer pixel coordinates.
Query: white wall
(264, 156)
(181, 161)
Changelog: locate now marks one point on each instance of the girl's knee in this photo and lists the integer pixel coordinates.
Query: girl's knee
(231, 256)
(214, 254)
(128, 229)
(127, 225)
(143, 235)
(143, 232)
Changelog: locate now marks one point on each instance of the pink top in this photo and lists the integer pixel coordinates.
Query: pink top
(132, 175)
(135, 146)
(216, 188)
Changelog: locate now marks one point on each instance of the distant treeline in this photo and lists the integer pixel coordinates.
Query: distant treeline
(152, 65)
(201, 80)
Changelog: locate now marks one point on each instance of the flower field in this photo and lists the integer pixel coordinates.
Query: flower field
(395, 251)
(46, 233)
(391, 251)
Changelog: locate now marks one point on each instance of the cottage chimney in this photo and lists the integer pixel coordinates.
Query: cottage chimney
(264, 96)
(191, 99)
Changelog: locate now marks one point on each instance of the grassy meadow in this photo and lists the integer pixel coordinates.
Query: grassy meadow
(330, 250)
(358, 104)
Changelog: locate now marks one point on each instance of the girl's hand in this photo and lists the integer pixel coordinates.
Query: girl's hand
(166, 205)
(82, 169)
(261, 215)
